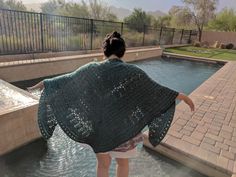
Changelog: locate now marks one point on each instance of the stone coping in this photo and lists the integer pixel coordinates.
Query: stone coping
(206, 138)
(188, 57)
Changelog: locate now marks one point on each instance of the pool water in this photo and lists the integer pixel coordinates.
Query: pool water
(62, 157)
(181, 75)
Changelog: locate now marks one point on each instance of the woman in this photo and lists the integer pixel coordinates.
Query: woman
(106, 105)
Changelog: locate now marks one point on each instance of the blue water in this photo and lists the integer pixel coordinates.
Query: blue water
(180, 75)
(62, 157)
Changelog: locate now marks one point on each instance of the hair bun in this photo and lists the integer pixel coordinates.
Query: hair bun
(116, 34)
(113, 44)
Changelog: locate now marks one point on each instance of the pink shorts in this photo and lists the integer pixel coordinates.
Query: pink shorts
(127, 149)
(127, 154)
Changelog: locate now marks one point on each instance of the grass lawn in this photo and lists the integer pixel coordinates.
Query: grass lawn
(223, 54)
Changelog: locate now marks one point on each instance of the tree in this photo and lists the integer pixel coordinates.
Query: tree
(181, 17)
(137, 20)
(74, 10)
(111, 17)
(164, 21)
(202, 12)
(100, 11)
(224, 21)
(94, 9)
(2, 4)
(12, 5)
(52, 6)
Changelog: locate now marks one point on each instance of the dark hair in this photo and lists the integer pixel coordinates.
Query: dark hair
(113, 44)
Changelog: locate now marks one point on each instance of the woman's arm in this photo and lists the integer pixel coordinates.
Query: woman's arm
(187, 100)
(39, 86)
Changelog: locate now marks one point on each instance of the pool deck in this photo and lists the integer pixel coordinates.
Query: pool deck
(206, 139)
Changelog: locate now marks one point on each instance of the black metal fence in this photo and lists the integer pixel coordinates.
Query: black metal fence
(27, 32)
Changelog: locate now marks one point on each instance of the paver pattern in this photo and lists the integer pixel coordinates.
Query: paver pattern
(209, 133)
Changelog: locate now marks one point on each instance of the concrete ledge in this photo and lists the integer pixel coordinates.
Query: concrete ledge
(18, 128)
(186, 159)
(30, 56)
(17, 57)
(18, 118)
(31, 69)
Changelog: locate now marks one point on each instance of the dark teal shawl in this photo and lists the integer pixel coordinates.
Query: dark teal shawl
(104, 104)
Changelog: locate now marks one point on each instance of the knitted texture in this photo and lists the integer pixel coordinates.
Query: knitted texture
(104, 104)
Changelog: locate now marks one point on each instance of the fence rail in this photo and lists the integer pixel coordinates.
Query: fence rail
(28, 32)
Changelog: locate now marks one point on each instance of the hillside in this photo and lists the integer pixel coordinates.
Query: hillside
(33, 7)
(120, 12)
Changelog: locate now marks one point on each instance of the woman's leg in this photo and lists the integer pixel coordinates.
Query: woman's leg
(122, 168)
(103, 164)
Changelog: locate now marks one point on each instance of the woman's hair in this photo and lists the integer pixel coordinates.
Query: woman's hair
(113, 44)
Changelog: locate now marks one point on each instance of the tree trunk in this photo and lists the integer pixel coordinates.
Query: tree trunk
(200, 35)
(200, 30)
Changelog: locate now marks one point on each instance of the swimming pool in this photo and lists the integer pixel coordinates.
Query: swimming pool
(62, 157)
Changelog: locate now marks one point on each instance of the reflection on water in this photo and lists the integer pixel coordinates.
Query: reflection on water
(62, 157)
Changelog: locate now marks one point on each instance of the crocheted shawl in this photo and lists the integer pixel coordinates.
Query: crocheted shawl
(104, 104)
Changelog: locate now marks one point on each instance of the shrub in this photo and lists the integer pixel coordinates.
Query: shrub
(216, 44)
(133, 39)
(77, 42)
(150, 39)
(229, 46)
(222, 46)
(197, 44)
(97, 42)
(205, 44)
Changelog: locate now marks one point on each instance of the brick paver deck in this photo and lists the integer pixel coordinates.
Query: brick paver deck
(208, 135)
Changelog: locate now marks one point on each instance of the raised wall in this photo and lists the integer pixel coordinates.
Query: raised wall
(221, 37)
(31, 69)
(18, 117)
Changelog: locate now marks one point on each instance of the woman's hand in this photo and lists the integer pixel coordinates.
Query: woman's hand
(39, 86)
(187, 100)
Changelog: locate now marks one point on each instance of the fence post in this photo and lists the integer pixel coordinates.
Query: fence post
(41, 31)
(1, 32)
(122, 26)
(190, 34)
(160, 35)
(173, 35)
(144, 29)
(91, 35)
(181, 37)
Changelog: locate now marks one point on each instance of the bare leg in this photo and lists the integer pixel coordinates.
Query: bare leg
(103, 164)
(122, 169)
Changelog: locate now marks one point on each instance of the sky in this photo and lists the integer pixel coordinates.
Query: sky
(148, 5)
